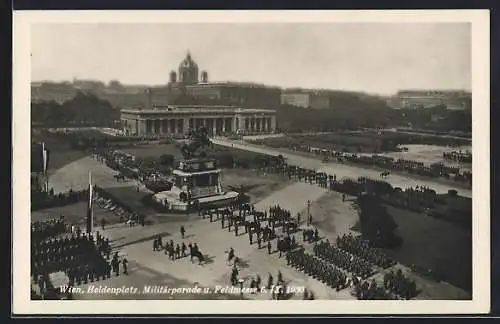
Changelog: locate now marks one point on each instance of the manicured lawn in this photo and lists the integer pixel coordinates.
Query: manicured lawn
(430, 242)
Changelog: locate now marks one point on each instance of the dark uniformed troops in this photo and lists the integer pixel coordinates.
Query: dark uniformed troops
(125, 267)
(190, 246)
(343, 259)
(80, 257)
(360, 247)
(183, 249)
(234, 276)
(178, 251)
(319, 269)
(269, 281)
(400, 285)
(230, 255)
(268, 247)
(115, 263)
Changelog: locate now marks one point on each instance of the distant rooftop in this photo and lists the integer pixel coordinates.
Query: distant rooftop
(235, 83)
(190, 108)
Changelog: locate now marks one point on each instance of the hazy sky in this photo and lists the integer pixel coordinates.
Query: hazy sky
(372, 57)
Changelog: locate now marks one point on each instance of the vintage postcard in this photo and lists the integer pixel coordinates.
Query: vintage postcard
(247, 162)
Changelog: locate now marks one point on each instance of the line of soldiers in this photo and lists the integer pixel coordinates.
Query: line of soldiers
(318, 269)
(42, 230)
(176, 251)
(361, 248)
(80, 257)
(42, 199)
(400, 285)
(310, 235)
(370, 290)
(385, 162)
(349, 262)
(356, 186)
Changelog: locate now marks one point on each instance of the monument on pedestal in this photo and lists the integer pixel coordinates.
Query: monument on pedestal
(197, 180)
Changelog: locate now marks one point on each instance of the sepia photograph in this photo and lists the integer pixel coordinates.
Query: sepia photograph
(279, 162)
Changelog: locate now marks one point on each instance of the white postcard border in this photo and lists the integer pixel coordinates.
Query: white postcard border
(23, 22)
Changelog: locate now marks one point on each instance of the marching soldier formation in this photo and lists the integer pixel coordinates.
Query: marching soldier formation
(82, 258)
(357, 266)
(318, 269)
(339, 266)
(399, 284)
(42, 230)
(361, 248)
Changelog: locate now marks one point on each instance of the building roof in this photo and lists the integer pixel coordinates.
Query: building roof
(192, 108)
(234, 84)
(188, 62)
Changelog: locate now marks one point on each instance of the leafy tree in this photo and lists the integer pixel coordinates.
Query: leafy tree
(376, 224)
(83, 109)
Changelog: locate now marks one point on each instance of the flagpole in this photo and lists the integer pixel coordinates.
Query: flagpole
(44, 167)
(90, 223)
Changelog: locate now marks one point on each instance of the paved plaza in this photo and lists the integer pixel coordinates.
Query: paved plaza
(343, 170)
(148, 267)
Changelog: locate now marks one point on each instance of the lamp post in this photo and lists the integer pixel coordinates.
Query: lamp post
(308, 211)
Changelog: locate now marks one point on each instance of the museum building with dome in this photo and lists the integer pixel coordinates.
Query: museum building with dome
(190, 100)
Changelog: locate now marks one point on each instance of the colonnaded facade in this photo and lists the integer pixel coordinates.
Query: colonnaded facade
(178, 119)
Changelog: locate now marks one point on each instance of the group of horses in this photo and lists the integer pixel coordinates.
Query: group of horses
(384, 174)
(120, 177)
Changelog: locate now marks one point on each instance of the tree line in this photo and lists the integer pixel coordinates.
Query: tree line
(348, 111)
(83, 109)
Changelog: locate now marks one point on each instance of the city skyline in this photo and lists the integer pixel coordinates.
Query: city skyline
(367, 57)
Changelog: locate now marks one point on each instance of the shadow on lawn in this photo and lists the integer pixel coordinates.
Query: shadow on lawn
(144, 239)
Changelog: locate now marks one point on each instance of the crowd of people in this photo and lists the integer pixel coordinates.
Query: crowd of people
(343, 259)
(421, 199)
(82, 257)
(330, 264)
(43, 229)
(41, 199)
(395, 286)
(462, 157)
(319, 269)
(361, 248)
(399, 284)
(405, 165)
(370, 290)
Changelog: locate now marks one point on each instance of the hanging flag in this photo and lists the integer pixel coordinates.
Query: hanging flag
(44, 158)
(89, 206)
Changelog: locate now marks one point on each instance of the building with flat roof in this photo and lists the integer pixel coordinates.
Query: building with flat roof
(453, 100)
(306, 98)
(179, 119)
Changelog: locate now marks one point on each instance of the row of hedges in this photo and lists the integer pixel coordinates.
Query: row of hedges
(43, 200)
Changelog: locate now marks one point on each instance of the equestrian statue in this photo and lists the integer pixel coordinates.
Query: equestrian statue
(198, 140)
